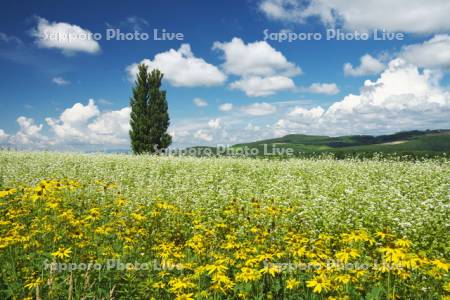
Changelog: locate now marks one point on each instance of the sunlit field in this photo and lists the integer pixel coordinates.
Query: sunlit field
(76, 226)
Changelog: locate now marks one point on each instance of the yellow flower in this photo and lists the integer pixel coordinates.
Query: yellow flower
(77, 234)
(403, 243)
(344, 278)
(34, 283)
(62, 252)
(440, 264)
(138, 217)
(7, 192)
(158, 285)
(356, 236)
(120, 202)
(178, 284)
(94, 213)
(300, 252)
(347, 254)
(217, 268)
(392, 254)
(222, 283)
(221, 225)
(447, 287)
(185, 297)
(248, 275)
(271, 269)
(292, 283)
(319, 283)
(104, 230)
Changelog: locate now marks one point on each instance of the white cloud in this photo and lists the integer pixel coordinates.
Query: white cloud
(415, 16)
(259, 109)
(111, 127)
(200, 102)
(182, 68)
(80, 113)
(215, 123)
(434, 53)
(203, 135)
(64, 36)
(60, 81)
(263, 70)
(402, 98)
(251, 127)
(255, 86)
(226, 107)
(368, 66)
(323, 88)
(300, 112)
(28, 134)
(3, 135)
(255, 59)
(85, 124)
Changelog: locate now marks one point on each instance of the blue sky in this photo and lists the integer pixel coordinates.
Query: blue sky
(271, 88)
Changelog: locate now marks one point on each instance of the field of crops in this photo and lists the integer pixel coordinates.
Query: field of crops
(76, 226)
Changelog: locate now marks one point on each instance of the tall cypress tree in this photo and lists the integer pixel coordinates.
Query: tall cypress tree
(158, 112)
(138, 116)
(149, 118)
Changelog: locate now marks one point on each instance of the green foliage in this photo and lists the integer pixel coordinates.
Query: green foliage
(149, 117)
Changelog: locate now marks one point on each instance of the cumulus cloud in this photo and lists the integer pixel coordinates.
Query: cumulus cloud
(28, 134)
(415, 16)
(263, 70)
(182, 68)
(66, 37)
(215, 123)
(255, 86)
(434, 53)
(77, 127)
(310, 114)
(111, 127)
(402, 98)
(81, 126)
(85, 124)
(200, 102)
(226, 107)
(254, 59)
(259, 109)
(3, 135)
(368, 66)
(323, 88)
(60, 81)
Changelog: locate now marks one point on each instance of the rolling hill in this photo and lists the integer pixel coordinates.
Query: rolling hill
(416, 143)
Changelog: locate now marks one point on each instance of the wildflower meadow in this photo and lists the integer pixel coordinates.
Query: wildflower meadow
(98, 226)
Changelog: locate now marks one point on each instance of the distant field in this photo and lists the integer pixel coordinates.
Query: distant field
(223, 228)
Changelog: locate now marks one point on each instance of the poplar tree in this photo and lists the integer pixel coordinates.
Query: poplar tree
(149, 118)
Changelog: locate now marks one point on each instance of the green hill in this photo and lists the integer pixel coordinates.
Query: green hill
(416, 143)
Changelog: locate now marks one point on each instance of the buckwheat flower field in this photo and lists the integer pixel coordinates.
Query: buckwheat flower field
(85, 226)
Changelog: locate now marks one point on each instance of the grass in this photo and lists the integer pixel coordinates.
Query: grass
(222, 228)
